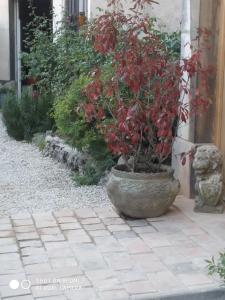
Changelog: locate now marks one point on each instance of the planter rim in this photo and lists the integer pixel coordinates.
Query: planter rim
(167, 173)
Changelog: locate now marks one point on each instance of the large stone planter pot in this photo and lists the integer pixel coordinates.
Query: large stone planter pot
(142, 195)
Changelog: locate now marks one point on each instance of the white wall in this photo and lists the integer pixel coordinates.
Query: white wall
(93, 7)
(168, 13)
(58, 7)
(4, 41)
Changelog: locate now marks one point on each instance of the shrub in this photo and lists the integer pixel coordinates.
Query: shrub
(217, 267)
(70, 121)
(39, 58)
(12, 116)
(55, 59)
(59, 63)
(28, 115)
(35, 112)
(143, 97)
(72, 125)
(75, 56)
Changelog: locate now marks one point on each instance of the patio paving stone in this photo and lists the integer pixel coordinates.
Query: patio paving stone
(90, 227)
(115, 294)
(7, 226)
(7, 292)
(90, 221)
(22, 222)
(124, 234)
(113, 221)
(24, 229)
(96, 233)
(53, 298)
(27, 297)
(70, 226)
(40, 291)
(89, 254)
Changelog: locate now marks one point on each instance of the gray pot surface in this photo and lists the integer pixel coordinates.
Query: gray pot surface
(142, 195)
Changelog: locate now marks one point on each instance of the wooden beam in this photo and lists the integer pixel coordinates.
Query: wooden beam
(209, 17)
(220, 86)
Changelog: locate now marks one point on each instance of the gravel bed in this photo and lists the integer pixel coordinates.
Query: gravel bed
(30, 182)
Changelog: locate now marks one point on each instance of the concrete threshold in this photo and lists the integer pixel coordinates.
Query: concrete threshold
(206, 294)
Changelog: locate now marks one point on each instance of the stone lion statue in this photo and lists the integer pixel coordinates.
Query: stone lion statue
(209, 182)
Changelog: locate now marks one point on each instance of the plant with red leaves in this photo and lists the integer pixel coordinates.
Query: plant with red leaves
(144, 121)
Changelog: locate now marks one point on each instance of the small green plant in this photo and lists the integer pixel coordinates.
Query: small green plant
(217, 267)
(12, 116)
(35, 113)
(28, 115)
(89, 176)
(96, 167)
(39, 140)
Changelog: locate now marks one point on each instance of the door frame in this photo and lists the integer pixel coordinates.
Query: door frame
(220, 88)
(17, 31)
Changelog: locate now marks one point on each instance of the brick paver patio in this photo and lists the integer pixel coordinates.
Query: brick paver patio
(88, 254)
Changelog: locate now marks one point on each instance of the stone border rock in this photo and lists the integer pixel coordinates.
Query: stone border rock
(57, 149)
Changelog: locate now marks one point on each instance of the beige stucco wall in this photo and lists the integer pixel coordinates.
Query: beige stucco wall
(167, 12)
(4, 41)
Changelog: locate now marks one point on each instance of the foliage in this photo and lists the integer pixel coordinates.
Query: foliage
(173, 43)
(217, 267)
(172, 40)
(59, 65)
(35, 112)
(39, 58)
(142, 97)
(7, 88)
(28, 115)
(96, 167)
(89, 177)
(69, 120)
(39, 140)
(12, 116)
(71, 123)
(53, 59)
(75, 56)
(51, 63)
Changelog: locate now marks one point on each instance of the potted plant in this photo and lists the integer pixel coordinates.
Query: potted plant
(137, 104)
